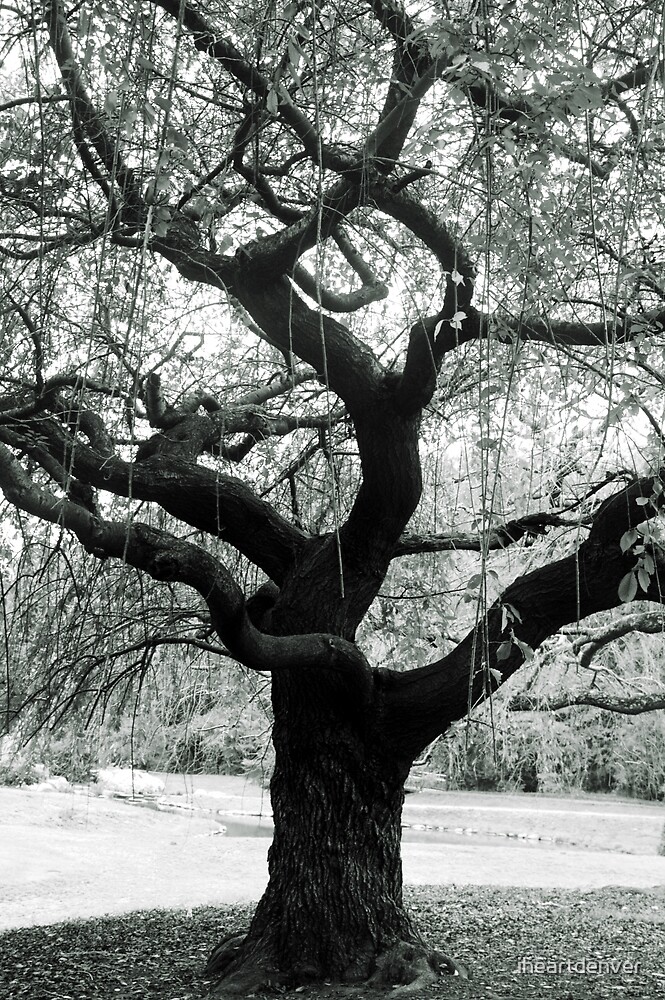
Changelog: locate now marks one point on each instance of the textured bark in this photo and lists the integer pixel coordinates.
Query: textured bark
(333, 908)
(335, 891)
(621, 704)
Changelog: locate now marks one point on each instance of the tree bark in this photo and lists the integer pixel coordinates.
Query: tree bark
(333, 908)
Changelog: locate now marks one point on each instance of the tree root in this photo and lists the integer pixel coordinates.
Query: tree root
(402, 969)
(221, 957)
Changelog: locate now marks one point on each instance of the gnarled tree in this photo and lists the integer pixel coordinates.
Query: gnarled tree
(478, 194)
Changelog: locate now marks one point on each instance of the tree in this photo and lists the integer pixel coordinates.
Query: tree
(193, 194)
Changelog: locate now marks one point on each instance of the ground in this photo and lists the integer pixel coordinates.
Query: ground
(66, 855)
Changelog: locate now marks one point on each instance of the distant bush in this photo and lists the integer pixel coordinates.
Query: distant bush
(581, 750)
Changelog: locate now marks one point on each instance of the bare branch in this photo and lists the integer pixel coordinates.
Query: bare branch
(587, 646)
(276, 387)
(44, 99)
(629, 705)
(476, 541)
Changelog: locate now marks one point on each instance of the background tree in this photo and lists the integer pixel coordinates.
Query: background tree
(192, 194)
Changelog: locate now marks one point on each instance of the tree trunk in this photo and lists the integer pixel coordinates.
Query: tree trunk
(333, 908)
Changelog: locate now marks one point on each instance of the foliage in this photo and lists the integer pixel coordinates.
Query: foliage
(581, 751)
(573, 747)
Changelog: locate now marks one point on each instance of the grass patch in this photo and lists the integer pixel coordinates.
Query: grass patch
(159, 953)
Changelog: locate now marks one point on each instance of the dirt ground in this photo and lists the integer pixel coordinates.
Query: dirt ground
(68, 855)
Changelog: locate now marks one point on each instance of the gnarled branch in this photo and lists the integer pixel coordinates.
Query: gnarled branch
(165, 557)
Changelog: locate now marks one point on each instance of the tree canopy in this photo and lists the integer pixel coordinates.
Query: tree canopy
(293, 293)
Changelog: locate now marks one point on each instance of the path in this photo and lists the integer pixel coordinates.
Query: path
(65, 855)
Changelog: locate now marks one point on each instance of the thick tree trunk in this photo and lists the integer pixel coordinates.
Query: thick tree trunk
(333, 909)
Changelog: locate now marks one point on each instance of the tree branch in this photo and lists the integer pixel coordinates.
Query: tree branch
(630, 705)
(508, 330)
(338, 301)
(85, 114)
(166, 558)
(420, 704)
(587, 646)
(341, 360)
(220, 505)
(474, 541)
(213, 44)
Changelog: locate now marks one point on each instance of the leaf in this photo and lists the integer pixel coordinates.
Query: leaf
(481, 64)
(145, 63)
(128, 120)
(111, 102)
(644, 578)
(524, 648)
(456, 321)
(496, 674)
(150, 114)
(628, 587)
(512, 613)
(272, 102)
(628, 539)
(504, 650)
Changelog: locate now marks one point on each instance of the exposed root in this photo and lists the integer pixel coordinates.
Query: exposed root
(249, 979)
(403, 969)
(221, 957)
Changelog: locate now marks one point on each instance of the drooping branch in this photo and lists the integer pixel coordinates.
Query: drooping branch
(221, 505)
(167, 558)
